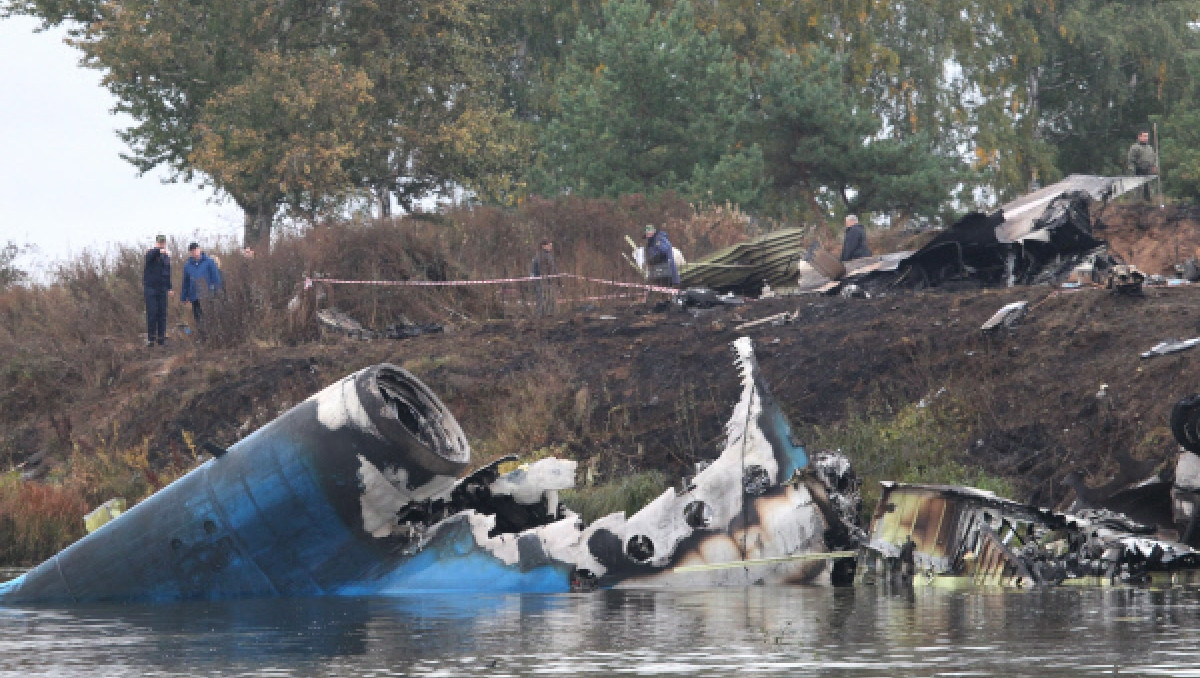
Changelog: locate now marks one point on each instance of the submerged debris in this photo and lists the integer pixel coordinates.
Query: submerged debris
(940, 535)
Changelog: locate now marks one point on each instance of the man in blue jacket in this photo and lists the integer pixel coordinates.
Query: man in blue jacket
(201, 280)
(660, 258)
(156, 285)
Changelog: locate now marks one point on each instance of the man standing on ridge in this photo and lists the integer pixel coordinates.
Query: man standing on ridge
(854, 243)
(201, 280)
(156, 286)
(1142, 160)
(543, 265)
(660, 258)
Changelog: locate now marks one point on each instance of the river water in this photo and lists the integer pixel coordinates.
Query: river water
(759, 631)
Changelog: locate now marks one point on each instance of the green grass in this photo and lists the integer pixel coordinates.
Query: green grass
(911, 445)
(628, 494)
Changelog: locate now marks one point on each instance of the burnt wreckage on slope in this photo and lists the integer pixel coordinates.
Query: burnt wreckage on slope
(1037, 238)
(357, 491)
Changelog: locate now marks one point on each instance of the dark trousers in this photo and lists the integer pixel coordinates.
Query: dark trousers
(546, 298)
(156, 314)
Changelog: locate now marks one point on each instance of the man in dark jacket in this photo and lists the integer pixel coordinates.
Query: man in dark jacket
(201, 280)
(156, 285)
(660, 258)
(854, 245)
(543, 265)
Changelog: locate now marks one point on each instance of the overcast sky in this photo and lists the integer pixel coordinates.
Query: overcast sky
(63, 184)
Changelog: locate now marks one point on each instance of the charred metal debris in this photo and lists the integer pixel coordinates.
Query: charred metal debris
(1048, 236)
(1143, 527)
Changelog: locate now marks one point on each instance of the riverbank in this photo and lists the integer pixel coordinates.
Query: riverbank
(904, 383)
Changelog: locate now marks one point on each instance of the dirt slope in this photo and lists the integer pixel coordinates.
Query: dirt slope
(652, 389)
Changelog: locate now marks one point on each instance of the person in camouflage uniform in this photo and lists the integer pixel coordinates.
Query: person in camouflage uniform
(1142, 160)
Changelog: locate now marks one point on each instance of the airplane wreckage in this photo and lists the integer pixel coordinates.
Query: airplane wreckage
(1040, 237)
(359, 491)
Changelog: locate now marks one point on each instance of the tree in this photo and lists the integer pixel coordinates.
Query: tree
(10, 273)
(1064, 84)
(285, 134)
(820, 138)
(647, 102)
(289, 103)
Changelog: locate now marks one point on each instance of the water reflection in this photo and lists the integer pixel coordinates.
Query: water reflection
(773, 631)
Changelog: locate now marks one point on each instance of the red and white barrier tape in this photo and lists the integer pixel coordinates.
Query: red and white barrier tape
(308, 282)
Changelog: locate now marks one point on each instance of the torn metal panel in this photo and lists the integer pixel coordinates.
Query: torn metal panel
(1008, 316)
(1170, 346)
(956, 536)
(1021, 215)
(357, 491)
(1039, 237)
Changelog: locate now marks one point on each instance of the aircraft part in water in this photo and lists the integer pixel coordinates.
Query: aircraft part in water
(356, 491)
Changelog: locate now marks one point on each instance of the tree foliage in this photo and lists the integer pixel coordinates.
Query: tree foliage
(820, 138)
(783, 106)
(294, 103)
(647, 102)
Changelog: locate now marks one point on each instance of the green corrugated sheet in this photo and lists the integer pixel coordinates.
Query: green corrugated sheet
(771, 259)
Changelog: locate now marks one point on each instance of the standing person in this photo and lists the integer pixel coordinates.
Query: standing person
(660, 258)
(543, 265)
(201, 280)
(854, 243)
(156, 285)
(1142, 160)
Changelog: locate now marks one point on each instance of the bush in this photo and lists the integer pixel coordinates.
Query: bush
(915, 444)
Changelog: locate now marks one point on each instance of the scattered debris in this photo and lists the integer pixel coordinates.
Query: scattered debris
(1125, 279)
(103, 514)
(337, 321)
(785, 318)
(853, 291)
(1171, 346)
(703, 297)
(408, 330)
(1007, 317)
